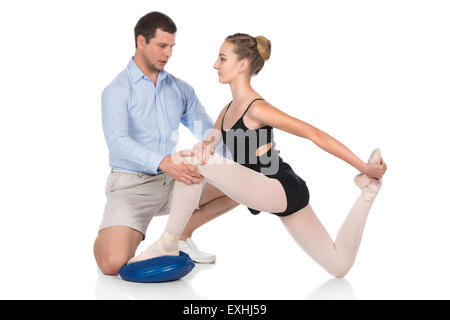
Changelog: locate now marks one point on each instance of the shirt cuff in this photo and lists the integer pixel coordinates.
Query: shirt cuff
(154, 159)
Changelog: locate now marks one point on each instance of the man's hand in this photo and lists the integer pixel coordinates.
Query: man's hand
(176, 167)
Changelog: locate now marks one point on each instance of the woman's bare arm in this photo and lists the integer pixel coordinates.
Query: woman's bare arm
(267, 114)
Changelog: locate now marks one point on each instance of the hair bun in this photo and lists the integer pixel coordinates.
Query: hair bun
(263, 46)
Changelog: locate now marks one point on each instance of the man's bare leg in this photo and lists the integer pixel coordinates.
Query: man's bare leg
(114, 246)
(213, 203)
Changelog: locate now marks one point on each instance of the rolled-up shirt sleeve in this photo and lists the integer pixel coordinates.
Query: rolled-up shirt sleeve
(195, 117)
(115, 128)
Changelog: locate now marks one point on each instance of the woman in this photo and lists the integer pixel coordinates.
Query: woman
(258, 177)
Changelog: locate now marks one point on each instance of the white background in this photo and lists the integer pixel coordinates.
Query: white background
(369, 73)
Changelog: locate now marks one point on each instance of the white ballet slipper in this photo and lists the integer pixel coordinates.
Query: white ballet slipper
(368, 187)
(167, 245)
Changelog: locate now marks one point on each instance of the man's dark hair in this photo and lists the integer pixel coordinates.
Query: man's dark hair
(147, 25)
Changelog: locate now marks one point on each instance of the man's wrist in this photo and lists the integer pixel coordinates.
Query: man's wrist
(162, 164)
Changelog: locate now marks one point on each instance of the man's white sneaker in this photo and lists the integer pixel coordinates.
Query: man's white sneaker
(194, 253)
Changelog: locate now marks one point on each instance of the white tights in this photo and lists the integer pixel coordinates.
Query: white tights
(259, 192)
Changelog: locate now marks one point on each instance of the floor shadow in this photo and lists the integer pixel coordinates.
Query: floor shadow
(333, 289)
(114, 288)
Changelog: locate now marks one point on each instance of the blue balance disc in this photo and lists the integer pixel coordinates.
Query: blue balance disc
(159, 269)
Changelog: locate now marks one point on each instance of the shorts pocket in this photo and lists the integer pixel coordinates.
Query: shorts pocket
(111, 181)
(139, 183)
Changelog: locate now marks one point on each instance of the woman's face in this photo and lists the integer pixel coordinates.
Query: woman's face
(227, 64)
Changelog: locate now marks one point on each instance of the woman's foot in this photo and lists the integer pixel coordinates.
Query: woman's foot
(167, 245)
(369, 188)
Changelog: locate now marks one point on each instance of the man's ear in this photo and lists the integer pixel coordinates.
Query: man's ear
(141, 41)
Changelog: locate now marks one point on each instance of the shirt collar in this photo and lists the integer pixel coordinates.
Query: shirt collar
(137, 74)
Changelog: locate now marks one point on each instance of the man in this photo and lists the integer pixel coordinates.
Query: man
(141, 111)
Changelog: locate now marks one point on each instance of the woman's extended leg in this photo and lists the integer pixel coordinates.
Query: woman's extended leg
(335, 257)
(243, 185)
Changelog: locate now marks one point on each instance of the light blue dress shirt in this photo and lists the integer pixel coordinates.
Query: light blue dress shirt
(141, 120)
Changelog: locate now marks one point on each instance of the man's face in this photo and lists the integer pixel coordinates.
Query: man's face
(157, 52)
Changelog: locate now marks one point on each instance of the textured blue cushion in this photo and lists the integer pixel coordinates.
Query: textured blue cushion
(159, 269)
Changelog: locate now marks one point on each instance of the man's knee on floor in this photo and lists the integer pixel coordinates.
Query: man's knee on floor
(110, 263)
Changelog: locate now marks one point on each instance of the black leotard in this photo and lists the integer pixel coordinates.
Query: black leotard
(270, 164)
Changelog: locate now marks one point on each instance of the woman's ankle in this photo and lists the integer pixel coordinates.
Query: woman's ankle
(168, 242)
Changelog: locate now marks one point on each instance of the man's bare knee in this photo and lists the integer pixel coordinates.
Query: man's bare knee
(111, 263)
(114, 246)
(109, 259)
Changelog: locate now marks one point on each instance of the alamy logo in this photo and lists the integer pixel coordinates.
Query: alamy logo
(250, 147)
(246, 148)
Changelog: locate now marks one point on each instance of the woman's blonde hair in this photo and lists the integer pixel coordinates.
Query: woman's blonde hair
(255, 49)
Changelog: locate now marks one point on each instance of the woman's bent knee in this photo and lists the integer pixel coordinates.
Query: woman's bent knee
(340, 270)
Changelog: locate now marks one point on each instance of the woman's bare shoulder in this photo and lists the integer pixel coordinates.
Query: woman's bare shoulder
(262, 108)
(218, 123)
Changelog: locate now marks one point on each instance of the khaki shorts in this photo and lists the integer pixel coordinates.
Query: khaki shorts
(134, 199)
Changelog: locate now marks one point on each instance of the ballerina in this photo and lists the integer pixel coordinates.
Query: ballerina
(257, 177)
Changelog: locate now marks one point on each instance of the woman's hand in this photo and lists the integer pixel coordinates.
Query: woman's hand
(375, 171)
(203, 150)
